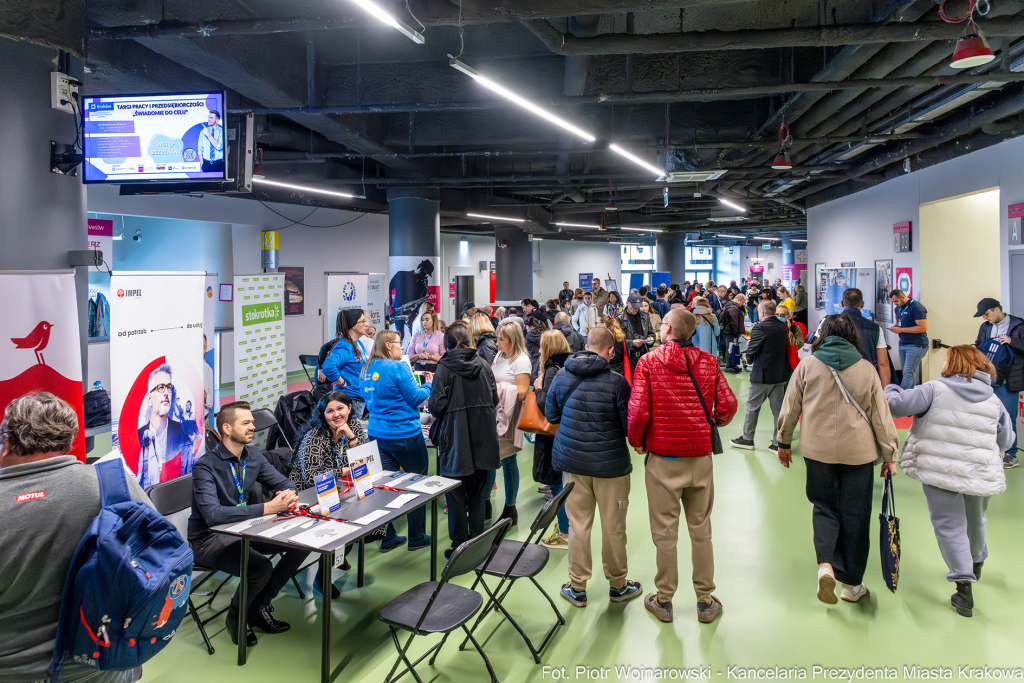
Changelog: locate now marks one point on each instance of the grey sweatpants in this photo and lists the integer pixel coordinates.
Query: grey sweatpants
(759, 393)
(959, 522)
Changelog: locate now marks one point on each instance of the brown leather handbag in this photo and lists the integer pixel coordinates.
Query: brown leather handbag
(532, 419)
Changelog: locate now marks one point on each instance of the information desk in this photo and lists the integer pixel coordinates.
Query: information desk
(326, 537)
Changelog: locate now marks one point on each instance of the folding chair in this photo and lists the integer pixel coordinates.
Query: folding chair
(173, 500)
(442, 607)
(309, 360)
(516, 560)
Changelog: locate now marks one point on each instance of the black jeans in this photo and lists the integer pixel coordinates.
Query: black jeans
(841, 495)
(466, 507)
(266, 580)
(410, 455)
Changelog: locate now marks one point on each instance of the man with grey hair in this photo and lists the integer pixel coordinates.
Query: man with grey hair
(574, 338)
(47, 501)
(768, 351)
(165, 450)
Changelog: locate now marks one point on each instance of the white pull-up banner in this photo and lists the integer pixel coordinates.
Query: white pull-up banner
(260, 376)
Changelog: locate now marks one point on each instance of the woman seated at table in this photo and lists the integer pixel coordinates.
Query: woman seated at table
(324, 442)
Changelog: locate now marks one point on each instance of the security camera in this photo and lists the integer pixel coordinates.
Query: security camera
(137, 237)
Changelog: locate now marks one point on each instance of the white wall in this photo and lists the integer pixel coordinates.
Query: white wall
(458, 261)
(859, 227)
(564, 260)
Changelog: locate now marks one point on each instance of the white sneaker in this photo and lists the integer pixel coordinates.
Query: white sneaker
(827, 586)
(854, 594)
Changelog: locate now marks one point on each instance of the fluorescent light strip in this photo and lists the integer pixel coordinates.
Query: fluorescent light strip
(500, 219)
(578, 225)
(797, 239)
(382, 15)
(766, 239)
(538, 239)
(733, 237)
(303, 188)
(637, 160)
(641, 229)
(513, 97)
(732, 205)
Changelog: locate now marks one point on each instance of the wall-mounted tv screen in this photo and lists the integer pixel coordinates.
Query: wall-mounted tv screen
(140, 138)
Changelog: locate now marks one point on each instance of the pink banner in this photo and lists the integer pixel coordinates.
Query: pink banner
(793, 272)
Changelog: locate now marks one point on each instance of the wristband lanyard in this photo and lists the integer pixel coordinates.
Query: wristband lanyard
(239, 485)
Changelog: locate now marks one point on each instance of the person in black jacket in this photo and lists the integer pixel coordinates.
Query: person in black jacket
(768, 350)
(589, 402)
(730, 320)
(536, 325)
(484, 337)
(572, 337)
(554, 351)
(463, 397)
(1008, 330)
(636, 325)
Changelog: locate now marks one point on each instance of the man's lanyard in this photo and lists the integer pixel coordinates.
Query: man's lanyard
(239, 484)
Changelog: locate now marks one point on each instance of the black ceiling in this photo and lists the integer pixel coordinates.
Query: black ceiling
(345, 101)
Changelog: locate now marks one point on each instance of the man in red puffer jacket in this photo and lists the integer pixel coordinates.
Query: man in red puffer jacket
(668, 423)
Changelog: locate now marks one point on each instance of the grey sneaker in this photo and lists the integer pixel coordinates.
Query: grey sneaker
(1009, 462)
(740, 442)
(709, 611)
(662, 610)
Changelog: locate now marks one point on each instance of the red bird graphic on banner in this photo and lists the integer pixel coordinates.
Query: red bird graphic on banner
(37, 340)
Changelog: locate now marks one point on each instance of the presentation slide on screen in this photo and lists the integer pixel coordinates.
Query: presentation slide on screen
(154, 137)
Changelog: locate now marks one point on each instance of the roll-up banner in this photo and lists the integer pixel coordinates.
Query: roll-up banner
(42, 350)
(209, 342)
(156, 371)
(342, 291)
(260, 376)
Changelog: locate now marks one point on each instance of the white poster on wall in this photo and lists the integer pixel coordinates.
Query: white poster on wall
(343, 291)
(260, 376)
(42, 350)
(209, 341)
(156, 378)
(376, 298)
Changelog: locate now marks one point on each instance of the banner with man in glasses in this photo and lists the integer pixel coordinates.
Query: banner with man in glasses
(156, 352)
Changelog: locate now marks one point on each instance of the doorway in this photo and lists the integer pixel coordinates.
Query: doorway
(463, 293)
(959, 250)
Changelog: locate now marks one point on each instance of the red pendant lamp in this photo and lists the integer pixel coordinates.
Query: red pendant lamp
(971, 50)
(782, 161)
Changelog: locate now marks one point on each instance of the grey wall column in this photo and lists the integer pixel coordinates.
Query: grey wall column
(513, 274)
(672, 255)
(414, 236)
(42, 214)
(788, 255)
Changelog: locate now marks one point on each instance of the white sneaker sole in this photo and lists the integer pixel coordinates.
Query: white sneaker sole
(742, 446)
(827, 589)
(857, 596)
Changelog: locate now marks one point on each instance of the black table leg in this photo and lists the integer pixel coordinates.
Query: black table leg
(325, 614)
(433, 539)
(243, 601)
(359, 563)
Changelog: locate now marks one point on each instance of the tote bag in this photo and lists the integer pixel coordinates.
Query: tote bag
(889, 537)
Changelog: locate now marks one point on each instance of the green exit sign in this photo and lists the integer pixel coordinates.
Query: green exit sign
(766, 246)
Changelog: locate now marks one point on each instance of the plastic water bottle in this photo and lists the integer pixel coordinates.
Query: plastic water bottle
(97, 385)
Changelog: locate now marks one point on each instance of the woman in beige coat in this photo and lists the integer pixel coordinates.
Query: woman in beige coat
(846, 427)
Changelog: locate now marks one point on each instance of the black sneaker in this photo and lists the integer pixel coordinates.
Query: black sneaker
(740, 442)
(963, 600)
(774, 448)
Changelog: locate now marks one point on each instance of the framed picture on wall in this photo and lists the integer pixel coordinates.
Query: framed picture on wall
(820, 285)
(883, 285)
(832, 284)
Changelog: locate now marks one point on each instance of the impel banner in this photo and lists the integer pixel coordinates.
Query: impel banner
(41, 349)
(260, 376)
(156, 373)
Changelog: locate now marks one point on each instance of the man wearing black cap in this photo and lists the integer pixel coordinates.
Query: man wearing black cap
(1001, 339)
(636, 325)
(468, 310)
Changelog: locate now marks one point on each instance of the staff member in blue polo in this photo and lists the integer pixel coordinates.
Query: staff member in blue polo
(912, 327)
(346, 358)
(1001, 339)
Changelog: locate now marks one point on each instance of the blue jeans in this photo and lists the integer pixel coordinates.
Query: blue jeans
(910, 358)
(563, 517)
(410, 455)
(510, 471)
(358, 407)
(1009, 400)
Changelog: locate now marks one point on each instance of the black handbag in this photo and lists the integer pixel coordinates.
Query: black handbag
(716, 438)
(889, 537)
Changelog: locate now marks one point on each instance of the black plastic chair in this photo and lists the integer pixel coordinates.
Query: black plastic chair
(516, 560)
(173, 500)
(441, 606)
(309, 360)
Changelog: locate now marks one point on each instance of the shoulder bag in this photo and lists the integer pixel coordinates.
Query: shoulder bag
(532, 419)
(716, 438)
(889, 537)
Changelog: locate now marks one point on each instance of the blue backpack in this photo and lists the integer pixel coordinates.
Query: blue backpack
(127, 586)
(1001, 355)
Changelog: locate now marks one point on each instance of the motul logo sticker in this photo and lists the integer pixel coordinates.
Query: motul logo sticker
(35, 495)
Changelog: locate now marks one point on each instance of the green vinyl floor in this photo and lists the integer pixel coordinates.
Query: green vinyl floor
(773, 626)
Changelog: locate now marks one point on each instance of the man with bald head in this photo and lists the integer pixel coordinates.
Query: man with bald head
(678, 391)
(768, 351)
(574, 338)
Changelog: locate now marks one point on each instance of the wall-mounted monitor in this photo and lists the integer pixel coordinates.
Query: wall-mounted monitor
(153, 138)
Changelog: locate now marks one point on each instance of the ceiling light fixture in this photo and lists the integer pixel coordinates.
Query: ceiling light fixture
(500, 219)
(538, 239)
(385, 17)
(513, 97)
(659, 173)
(732, 205)
(798, 239)
(732, 237)
(641, 229)
(578, 225)
(765, 239)
(782, 161)
(972, 49)
(304, 188)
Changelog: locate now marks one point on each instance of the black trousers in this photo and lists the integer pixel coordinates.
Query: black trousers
(841, 495)
(466, 507)
(266, 580)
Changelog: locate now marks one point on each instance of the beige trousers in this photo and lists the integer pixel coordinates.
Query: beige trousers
(669, 482)
(611, 498)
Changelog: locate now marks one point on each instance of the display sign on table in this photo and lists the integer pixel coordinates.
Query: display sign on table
(42, 349)
(156, 372)
(259, 339)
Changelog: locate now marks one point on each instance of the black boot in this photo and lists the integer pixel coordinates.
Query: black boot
(963, 600)
(977, 570)
(232, 627)
(510, 512)
(488, 513)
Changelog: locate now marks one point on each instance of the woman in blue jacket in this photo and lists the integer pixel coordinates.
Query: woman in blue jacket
(346, 358)
(393, 397)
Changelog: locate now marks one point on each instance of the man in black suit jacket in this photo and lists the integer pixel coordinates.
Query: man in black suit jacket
(768, 351)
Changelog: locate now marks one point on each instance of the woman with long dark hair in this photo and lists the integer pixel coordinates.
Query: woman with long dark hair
(346, 358)
(614, 307)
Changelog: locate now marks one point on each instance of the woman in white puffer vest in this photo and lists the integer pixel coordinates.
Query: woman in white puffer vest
(954, 448)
